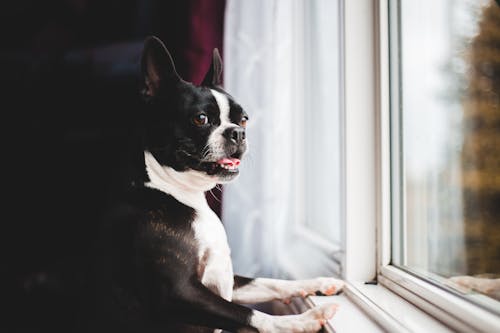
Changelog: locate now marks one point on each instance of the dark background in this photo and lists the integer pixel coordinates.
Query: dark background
(69, 102)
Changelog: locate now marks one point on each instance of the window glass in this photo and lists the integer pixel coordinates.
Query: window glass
(446, 144)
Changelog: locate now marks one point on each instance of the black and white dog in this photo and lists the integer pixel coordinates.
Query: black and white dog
(167, 260)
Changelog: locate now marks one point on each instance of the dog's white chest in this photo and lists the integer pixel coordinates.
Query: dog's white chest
(215, 268)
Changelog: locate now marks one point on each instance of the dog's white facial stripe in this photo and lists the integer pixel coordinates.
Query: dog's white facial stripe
(223, 104)
(216, 139)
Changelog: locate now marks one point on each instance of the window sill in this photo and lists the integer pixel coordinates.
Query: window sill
(374, 308)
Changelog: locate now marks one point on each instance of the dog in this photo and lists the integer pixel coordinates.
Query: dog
(486, 284)
(164, 261)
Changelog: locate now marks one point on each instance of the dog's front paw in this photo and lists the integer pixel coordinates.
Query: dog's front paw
(320, 314)
(324, 285)
(310, 321)
(488, 286)
(329, 286)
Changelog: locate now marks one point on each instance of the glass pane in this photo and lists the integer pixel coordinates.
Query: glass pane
(449, 175)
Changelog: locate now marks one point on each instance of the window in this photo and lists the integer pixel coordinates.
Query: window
(414, 61)
(375, 93)
(446, 146)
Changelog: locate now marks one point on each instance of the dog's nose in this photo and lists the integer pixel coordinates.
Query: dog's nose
(235, 134)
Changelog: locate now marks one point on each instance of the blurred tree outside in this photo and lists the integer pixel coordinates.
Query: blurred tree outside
(481, 147)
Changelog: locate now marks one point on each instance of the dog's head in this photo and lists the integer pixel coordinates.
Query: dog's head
(189, 127)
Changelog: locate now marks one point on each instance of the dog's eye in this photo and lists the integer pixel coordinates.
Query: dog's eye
(200, 119)
(243, 122)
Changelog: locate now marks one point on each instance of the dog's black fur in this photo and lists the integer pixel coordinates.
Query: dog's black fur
(145, 277)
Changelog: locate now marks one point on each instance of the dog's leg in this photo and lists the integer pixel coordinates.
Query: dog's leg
(250, 291)
(489, 287)
(309, 321)
(197, 305)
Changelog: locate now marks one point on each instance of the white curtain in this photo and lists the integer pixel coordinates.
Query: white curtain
(282, 63)
(258, 62)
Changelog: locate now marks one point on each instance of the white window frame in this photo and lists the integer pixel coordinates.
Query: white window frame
(456, 312)
(368, 178)
(360, 149)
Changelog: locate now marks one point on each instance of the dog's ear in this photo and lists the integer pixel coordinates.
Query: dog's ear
(157, 66)
(213, 76)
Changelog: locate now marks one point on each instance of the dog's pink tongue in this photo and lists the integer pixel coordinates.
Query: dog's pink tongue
(232, 162)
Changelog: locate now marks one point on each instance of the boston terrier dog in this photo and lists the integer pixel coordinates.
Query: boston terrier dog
(167, 264)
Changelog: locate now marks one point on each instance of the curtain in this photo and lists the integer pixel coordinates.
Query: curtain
(259, 74)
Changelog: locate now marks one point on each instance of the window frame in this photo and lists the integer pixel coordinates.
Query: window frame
(456, 312)
(368, 193)
(360, 251)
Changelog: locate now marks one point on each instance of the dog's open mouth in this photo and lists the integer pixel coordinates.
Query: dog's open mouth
(226, 165)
